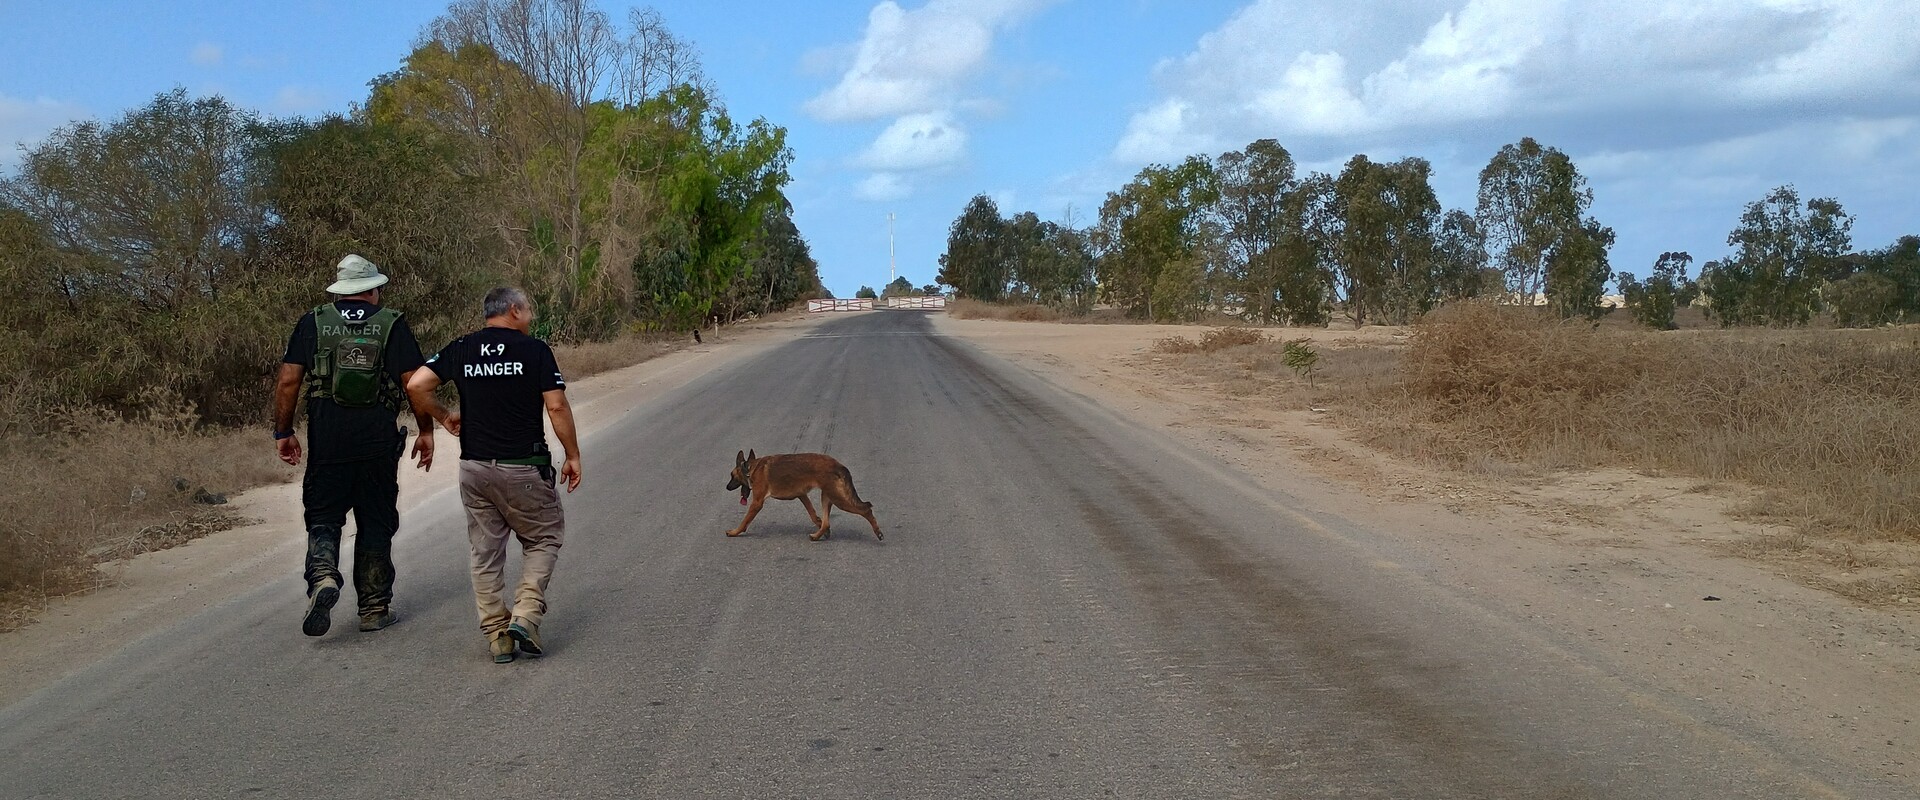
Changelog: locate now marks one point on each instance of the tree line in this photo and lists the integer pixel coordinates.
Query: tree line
(1245, 234)
(538, 142)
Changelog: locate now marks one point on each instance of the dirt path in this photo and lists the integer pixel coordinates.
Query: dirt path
(178, 582)
(1617, 565)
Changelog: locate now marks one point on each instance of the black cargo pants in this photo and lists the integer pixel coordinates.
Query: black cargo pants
(370, 488)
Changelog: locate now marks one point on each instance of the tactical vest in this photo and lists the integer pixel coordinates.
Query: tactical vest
(350, 360)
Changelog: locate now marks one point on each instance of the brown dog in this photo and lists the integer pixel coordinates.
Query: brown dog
(792, 476)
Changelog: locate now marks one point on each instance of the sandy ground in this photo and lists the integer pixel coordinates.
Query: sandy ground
(1616, 564)
(168, 584)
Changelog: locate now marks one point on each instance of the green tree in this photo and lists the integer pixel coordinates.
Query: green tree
(866, 293)
(1900, 263)
(1305, 261)
(780, 270)
(1532, 207)
(900, 287)
(714, 182)
(339, 186)
(149, 230)
(1577, 271)
(1253, 186)
(1653, 303)
(1863, 300)
(1783, 252)
(975, 263)
(1149, 224)
(1384, 253)
(1460, 258)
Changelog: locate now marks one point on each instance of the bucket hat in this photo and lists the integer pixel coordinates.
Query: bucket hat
(356, 275)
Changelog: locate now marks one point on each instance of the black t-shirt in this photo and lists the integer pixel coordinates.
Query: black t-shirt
(501, 374)
(336, 434)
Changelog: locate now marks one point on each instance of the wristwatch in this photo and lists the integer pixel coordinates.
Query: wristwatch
(286, 434)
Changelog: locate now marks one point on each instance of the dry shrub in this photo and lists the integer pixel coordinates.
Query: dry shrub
(1219, 339)
(103, 486)
(1212, 341)
(1178, 345)
(1823, 419)
(579, 361)
(1015, 312)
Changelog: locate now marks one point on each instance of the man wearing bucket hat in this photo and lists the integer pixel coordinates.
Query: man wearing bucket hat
(350, 358)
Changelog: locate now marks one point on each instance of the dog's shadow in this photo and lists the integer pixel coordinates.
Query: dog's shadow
(780, 531)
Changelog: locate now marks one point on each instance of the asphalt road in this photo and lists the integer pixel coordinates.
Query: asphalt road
(1065, 606)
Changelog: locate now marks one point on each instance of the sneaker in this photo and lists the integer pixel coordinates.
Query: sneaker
(502, 646)
(320, 607)
(377, 620)
(528, 635)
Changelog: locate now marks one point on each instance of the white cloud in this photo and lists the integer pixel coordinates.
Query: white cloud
(207, 54)
(916, 142)
(1326, 69)
(917, 61)
(883, 187)
(23, 123)
(917, 67)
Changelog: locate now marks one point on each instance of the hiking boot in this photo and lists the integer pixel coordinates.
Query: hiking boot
(376, 620)
(502, 646)
(527, 635)
(320, 607)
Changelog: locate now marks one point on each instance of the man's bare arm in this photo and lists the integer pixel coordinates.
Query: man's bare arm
(561, 413)
(420, 386)
(286, 400)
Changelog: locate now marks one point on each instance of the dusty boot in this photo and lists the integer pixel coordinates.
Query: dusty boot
(375, 620)
(502, 646)
(527, 634)
(320, 602)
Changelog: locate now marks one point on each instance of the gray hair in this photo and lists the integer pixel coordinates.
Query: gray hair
(502, 299)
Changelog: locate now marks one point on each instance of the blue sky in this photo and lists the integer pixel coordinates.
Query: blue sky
(1679, 113)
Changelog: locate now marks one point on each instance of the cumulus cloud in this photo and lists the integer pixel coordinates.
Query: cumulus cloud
(207, 54)
(917, 61)
(916, 142)
(918, 68)
(1327, 70)
(23, 123)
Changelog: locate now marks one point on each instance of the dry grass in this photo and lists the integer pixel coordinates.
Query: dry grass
(1822, 423)
(974, 309)
(578, 361)
(1212, 341)
(102, 487)
(1821, 420)
(1027, 312)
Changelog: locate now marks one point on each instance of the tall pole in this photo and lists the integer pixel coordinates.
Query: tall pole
(890, 266)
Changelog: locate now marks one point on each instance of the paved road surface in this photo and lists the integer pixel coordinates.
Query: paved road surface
(1065, 606)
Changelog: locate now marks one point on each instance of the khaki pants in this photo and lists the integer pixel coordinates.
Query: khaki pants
(505, 500)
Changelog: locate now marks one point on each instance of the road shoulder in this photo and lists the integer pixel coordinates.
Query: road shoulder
(1615, 565)
(176, 583)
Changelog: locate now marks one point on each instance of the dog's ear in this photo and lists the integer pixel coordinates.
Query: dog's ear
(739, 457)
(750, 455)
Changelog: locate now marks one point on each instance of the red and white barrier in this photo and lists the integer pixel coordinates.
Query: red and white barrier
(855, 304)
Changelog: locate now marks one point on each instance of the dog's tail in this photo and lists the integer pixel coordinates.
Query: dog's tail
(846, 479)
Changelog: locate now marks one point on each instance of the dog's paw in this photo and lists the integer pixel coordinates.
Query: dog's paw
(735, 533)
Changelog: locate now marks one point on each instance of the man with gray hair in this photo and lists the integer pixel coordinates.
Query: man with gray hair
(506, 377)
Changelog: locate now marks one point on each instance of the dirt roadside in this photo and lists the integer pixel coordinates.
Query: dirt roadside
(1614, 564)
(179, 582)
